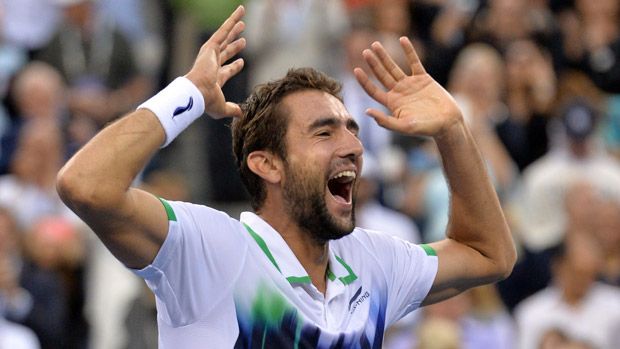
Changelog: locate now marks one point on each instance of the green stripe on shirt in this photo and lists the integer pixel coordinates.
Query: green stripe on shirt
(429, 250)
(169, 210)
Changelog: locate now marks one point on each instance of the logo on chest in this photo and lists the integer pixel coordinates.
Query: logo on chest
(357, 299)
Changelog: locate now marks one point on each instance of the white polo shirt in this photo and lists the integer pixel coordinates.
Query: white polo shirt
(224, 283)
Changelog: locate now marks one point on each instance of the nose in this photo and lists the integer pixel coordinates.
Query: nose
(351, 146)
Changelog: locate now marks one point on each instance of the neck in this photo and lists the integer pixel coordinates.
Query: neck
(313, 255)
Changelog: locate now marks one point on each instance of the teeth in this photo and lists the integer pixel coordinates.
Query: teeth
(345, 174)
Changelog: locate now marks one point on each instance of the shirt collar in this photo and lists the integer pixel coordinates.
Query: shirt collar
(284, 260)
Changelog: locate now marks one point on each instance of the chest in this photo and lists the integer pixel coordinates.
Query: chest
(269, 307)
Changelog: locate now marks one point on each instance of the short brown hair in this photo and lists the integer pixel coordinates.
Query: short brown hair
(264, 123)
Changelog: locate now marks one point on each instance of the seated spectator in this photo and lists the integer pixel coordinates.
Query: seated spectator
(477, 82)
(578, 156)
(438, 333)
(97, 63)
(281, 34)
(479, 318)
(530, 93)
(502, 22)
(52, 274)
(38, 93)
(591, 41)
(575, 303)
(28, 191)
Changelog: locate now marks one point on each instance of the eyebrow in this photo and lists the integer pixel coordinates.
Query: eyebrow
(333, 121)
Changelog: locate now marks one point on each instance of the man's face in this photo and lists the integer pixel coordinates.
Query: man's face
(322, 164)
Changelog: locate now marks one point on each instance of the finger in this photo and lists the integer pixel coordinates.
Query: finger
(378, 69)
(390, 122)
(234, 34)
(382, 118)
(412, 56)
(373, 90)
(229, 70)
(231, 50)
(232, 109)
(387, 61)
(222, 32)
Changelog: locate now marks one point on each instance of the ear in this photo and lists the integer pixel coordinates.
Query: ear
(266, 165)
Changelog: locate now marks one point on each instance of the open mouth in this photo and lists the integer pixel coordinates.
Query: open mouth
(341, 186)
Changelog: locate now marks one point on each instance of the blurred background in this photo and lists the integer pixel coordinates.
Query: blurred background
(538, 82)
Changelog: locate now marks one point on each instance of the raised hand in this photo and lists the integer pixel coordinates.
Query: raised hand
(210, 72)
(419, 105)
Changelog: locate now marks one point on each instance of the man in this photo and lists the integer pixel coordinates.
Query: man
(574, 303)
(295, 273)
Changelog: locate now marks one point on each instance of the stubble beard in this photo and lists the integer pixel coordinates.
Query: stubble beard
(305, 203)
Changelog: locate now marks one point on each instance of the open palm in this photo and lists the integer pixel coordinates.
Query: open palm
(419, 105)
(210, 71)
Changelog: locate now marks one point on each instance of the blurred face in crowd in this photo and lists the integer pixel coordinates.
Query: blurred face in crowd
(356, 41)
(578, 268)
(322, 164)
(80, 14)
(478, 73)
(54, 243)
(608, 226)
(392, 17)
(39, 92)
(39, 153)
(509, 19)
(598, 9)
(581, 202)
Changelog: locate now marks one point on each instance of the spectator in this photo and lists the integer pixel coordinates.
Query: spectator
(533, 271)
(52, 274)
(96, 62)
(443, 26)
(28, 191)
(602, 41)
(438, 333)
(503, 21)
(530, 93)
(576, 158)
(479, 318)
(285, 33)
(477, 84)
(39, 94)
(575, 303)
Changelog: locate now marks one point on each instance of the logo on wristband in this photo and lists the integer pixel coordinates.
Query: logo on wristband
(181, 110)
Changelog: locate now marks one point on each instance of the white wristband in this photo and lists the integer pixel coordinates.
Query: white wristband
(176, 106)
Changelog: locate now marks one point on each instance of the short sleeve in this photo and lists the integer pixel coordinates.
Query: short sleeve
(409, 270)
(196, 264)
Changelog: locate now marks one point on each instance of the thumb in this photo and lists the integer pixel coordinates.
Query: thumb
(232, 109)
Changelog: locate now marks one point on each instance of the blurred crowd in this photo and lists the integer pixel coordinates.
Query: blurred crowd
(538, 82)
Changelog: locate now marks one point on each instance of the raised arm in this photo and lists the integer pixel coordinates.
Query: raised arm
(479, 247)
(95, 183)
